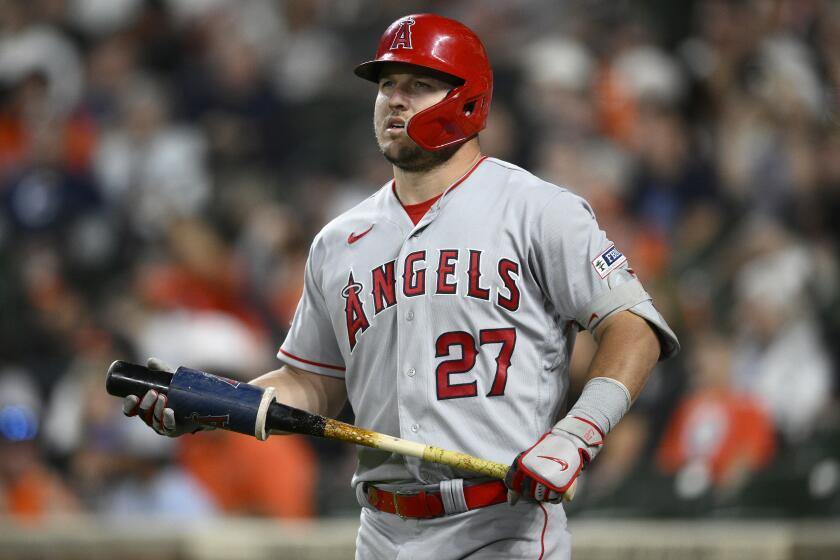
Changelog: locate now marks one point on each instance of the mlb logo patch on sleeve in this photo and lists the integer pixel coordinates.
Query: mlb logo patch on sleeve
(608, 261)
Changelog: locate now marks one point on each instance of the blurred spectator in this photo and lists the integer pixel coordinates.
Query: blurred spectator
(29, 489)
(309, 54)
(102, 17)
(273, 478)
(33, 134)
(203, 339)
(198, 310)
(51, 305)
(77, 401)
(671, 175)
(44, 185)
(725, 434)
(149, 168)
(112, 70)
(30, 47)
(142, 480)
(224, 88)
(780, 357)
(273, 247)
(199, 272)
(558, 93)
(638, 75)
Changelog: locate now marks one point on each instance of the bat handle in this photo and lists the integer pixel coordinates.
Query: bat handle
(125, 379)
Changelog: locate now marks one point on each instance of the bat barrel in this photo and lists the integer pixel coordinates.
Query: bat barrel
(125, 379)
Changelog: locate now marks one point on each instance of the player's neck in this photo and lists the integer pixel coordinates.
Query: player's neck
(414, 188)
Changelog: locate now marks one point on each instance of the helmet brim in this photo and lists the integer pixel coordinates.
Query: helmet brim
(371, 70)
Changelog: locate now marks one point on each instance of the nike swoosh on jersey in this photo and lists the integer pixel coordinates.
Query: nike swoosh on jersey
(356, 236)
(563, 464)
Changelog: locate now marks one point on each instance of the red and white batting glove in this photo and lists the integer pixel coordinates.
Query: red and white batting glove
(547, 470)
(153, 411)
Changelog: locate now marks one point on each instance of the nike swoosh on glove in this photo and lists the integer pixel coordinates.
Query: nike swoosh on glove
(547, 470)
(153, 411)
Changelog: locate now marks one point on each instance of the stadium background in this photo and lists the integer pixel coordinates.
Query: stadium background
(165, 164)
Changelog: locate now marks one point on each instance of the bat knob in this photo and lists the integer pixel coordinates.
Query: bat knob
(125, 379)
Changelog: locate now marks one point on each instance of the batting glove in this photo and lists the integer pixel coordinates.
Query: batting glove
(153, 410)
(547, 470)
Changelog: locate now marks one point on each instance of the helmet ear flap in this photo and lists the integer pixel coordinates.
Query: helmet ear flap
(450, 121)
(459, 117)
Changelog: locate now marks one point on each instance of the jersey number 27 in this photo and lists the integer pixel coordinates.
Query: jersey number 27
(469, 352)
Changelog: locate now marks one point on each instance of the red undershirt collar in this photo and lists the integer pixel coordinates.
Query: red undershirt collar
(417, 211)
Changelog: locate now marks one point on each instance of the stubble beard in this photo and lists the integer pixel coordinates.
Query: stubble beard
(414, 159)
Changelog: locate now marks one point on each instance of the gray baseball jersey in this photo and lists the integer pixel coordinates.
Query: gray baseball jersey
(457, 331)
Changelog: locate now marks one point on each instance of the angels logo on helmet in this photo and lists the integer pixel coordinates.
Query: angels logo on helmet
(402, 39)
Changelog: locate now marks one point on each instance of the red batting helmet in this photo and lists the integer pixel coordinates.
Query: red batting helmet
(450, 47)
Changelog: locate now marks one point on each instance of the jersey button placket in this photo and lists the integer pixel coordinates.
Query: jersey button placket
(405, 351)
(412, 341)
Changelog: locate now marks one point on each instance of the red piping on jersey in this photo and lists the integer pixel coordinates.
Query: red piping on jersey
(466, 175)
(311, 363)
(414, 209)
(542, 535)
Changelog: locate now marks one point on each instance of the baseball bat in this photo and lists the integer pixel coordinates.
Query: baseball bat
(210, 400)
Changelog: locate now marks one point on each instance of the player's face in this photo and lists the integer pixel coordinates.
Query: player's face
(403, 92)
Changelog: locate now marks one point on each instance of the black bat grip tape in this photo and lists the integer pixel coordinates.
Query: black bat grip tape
(126, 379)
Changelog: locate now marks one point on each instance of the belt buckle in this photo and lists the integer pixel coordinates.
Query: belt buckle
(396, 495)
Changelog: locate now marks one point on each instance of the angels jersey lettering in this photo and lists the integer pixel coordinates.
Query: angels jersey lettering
(442, 279)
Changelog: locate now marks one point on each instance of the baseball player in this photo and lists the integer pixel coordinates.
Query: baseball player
(445, 307)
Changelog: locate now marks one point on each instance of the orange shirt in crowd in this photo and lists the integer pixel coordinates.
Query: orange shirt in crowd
(722, 430)
(274, 478)
(35, 494)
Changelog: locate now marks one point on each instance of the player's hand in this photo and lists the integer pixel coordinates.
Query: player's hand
(153, 411)
(547, 470)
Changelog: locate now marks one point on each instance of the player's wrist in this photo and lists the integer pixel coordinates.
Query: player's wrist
(603, 403)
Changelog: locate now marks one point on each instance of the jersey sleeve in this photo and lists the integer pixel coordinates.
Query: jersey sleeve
(584, 275)
(311, 344)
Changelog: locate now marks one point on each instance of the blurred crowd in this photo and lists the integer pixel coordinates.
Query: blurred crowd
(164, 165)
